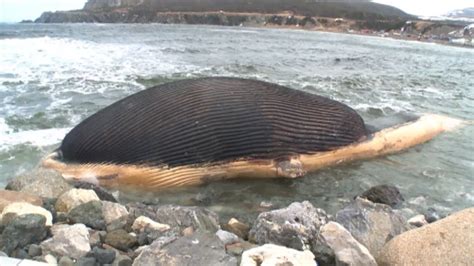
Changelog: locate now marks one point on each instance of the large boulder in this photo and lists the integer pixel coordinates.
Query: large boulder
(74, 198)
(449, 241)
(19, 208)
(371, 224)
(68, 240)
(40, 182)
(347, 250)
(23, 230)
(178, 217)
(270, 254)
(297, 227)
(198, 249)
(385, 194)
(8, 197)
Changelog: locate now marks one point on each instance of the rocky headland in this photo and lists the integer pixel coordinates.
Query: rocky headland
(355, 17)
(46, 219)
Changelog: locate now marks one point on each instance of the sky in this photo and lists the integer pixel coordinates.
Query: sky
(17, 10)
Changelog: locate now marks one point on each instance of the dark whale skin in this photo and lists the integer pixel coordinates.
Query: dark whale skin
(209, 121)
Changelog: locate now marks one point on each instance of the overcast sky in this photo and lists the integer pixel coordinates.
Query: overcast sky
(17, 10)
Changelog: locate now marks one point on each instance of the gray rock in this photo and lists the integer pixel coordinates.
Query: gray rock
(178, 217)
(20, 253)
(89, 213)
(86, 261)
(34, 250)
(270, 254)
(68, 240)
(101, 193)
(198, 249)
(96, 237)
(149, 230)
(385, 194)
(20, 208)
(120, 239)
(297, 227)
(40, 182)
(65, 261)
(122, 260)
(74, 198)
(371, 224)
(417, 221)
(115, 215)
(348, 251)
(24, 230)
(3, 254)
(431, 215)
(102, 256)
(227, 237)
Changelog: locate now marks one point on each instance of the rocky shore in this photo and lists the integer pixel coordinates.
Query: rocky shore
(46, 219)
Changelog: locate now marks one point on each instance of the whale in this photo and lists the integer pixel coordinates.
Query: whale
(194, 131)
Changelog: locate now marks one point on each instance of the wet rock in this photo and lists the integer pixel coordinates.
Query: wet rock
(40, 182)
(432, 215)
(115, 215)
(238, 228)
(122, 260)
(296, 226)
(103, 194)
(199, 249)
(86, 261)
(417, 221)
(371, 224)
(65, 261)
(270, 254)
(102, 256)
(385, 194)
(34, 250)
(449, 241)
(120, 239)
(89, 213)
(68, 240)
(20, 208)
(347, 250)
(23, 230)
(7, 197)
(74, 198)
(227, 237)
(178, 217)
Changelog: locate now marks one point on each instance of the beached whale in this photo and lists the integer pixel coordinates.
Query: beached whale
(194, 131)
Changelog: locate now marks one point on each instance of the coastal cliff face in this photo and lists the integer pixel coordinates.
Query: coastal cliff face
(221, 12)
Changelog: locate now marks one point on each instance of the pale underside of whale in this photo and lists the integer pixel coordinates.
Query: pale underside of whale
(151, 177)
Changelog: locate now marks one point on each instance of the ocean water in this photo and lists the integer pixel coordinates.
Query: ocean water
(53, 76)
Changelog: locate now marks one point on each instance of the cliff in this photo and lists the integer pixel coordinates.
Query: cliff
(188, 11)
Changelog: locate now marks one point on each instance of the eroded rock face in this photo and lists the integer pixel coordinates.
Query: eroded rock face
(74, 198)
(347, 250)
(20, 208)
(23, 230)
(178, 217)
(297, 227)
(270, 254)
(371, 224)
(68, 240)
(40, 182)
(449, 241)
(199, 249)
(385, 194)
